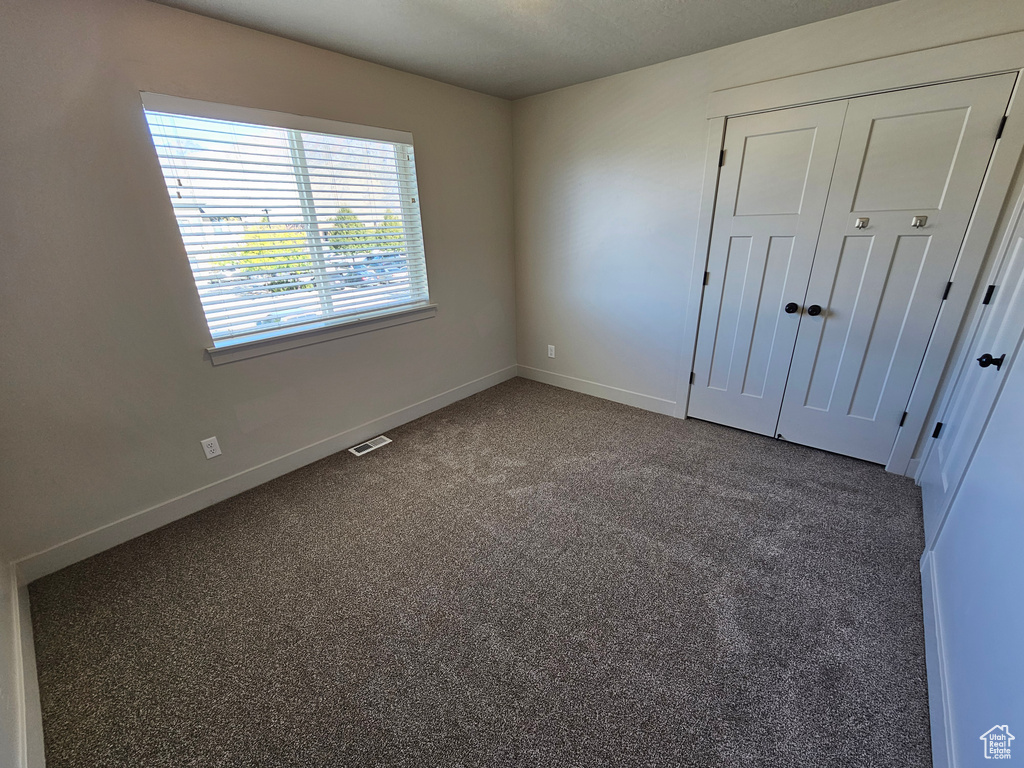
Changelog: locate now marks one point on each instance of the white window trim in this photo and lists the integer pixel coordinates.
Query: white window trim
(160, 102)
(385, 318)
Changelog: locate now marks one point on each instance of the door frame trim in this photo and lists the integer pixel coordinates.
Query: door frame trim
(929, 66)
(959, 61)
(702, 244)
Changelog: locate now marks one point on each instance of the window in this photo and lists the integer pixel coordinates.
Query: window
(290, 223)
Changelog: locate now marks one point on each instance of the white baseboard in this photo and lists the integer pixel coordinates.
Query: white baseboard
(88, 544)
(12, 708)
(624, 396)
(30, 724)
(26, 749)
(935, 670)
(912, 469)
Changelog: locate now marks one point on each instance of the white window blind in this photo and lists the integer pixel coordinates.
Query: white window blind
(289, 229)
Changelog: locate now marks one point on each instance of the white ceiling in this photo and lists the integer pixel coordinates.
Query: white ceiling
(515, 48)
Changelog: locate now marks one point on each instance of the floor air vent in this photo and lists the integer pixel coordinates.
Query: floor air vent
(369, 445)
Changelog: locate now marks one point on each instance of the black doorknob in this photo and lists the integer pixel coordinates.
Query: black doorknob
(986, 360)
(792, 307)
(814, 310)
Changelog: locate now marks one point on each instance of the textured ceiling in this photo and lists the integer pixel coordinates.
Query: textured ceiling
(515, 48)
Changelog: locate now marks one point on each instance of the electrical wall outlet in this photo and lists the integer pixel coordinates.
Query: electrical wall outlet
(551, 350)
(211, 447)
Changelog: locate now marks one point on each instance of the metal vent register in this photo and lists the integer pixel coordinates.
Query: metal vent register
(370, 445)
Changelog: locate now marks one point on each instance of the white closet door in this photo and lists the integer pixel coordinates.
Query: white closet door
(965, 414)
(913, 153)
(771, 195)
(977, 580)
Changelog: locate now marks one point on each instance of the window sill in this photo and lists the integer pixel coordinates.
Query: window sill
(259, 347)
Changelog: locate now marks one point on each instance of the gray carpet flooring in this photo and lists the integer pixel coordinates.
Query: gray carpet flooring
(530, 577)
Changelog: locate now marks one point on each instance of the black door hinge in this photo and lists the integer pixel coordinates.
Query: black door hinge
(904, 419)
(1002, 124)
(692, 377)
(988, 294)
(938, 428)
(945, 293)
(721, 158)
(707, 278)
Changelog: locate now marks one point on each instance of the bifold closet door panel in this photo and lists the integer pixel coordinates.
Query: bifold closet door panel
(908, 173)
(771, 196)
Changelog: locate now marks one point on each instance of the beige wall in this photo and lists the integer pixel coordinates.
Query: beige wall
(105, 391)
(608, 180)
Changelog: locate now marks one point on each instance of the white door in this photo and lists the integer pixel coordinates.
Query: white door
(964, 415)
(771, 195)
(977, 579)
(908, 173)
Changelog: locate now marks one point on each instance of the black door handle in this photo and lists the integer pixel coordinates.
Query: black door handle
(986, 360)
(792, 307)
(814, 310)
